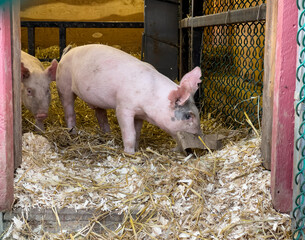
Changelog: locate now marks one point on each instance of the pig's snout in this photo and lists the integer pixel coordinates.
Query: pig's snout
(41, 116)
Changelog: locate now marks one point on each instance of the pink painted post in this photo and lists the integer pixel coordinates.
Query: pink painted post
(6, 111)
(283, 107)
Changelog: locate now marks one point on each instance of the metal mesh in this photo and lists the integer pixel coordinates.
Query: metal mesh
(217, 6)
(233, 63)
(299, 188)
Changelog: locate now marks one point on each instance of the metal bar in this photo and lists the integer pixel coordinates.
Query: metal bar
(196, 34)
(82, 24)
(31, 40)
(143, 46)
(170, 1)
(64, 25)
(62, 39)
(197, 41)
(191, 37)
(1, 223)
(235, 16)
(184, 41)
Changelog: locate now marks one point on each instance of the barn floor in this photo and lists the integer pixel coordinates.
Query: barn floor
(90, 189)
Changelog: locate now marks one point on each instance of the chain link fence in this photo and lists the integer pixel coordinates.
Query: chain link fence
(232, 61)
(217, 6)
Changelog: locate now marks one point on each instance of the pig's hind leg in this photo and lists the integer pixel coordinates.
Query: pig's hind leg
(101, 115)
(67, 101)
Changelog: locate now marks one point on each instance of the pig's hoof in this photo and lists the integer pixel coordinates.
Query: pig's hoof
(129, 150)
(106, 129)
(73, 131)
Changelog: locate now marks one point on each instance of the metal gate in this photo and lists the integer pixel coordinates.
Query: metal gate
(160, 37)
(227, 39)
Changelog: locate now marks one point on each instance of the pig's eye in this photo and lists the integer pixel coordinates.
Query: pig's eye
(188, 116)
(29, 91)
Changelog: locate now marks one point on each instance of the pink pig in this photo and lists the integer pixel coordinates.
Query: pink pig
(35, 86)
(108, 78)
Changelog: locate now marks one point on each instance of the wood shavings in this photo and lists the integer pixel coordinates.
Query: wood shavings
(174, 198)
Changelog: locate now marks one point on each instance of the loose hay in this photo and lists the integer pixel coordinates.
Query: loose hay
(223, 194)
(163, 196)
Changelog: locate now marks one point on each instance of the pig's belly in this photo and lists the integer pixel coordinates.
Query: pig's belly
(97, 96)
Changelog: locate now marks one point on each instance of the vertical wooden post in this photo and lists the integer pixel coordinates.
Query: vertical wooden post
(283, 107)
(269, 76)
(16, 48)
(298, 204)
(6, 111)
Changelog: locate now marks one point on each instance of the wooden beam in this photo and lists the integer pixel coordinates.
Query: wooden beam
(269, 76)
(283, 107)
(16, 48)
(235, 16)
(6, 111)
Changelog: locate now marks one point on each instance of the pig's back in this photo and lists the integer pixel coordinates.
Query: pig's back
(30, 62)
(105, 77)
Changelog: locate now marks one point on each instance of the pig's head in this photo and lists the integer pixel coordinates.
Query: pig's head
(184, 113)
(35, 91)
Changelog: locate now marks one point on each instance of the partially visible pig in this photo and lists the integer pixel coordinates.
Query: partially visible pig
(35, 86)
(107, 78)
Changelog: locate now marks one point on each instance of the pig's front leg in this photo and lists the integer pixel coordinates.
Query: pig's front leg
(127, 124)
(39, 126)
(138, 126)
(101, 115)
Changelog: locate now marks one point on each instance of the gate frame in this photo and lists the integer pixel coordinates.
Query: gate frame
(6, 109)
(283, 106)
(283, 122)
(280, 51)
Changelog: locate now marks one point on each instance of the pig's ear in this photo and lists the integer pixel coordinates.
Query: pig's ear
(191, 80)
(188, 87)
(179, 96)
(51, 70)
(25, 72)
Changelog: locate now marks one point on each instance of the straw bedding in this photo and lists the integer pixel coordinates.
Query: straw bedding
(161, 194)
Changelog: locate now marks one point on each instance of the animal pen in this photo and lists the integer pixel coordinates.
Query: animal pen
(251, 96)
